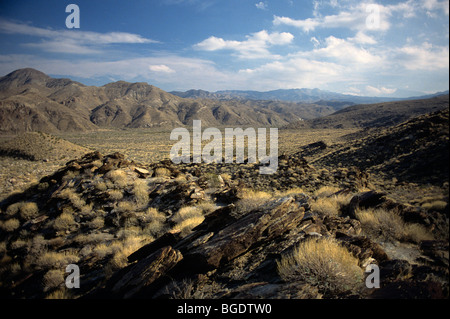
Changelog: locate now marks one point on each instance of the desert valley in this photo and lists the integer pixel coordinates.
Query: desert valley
(86, 180)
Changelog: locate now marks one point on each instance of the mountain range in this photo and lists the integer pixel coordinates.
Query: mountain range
(33, 101)
(295, 95)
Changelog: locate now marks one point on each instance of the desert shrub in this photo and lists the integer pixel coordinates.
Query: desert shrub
(53, 279)
(438, 205)
(185, 226)
(181, 178)
(62, 293)
(189, 289)
(13, 209)
(331, 205)
(140, 192)
(153, 222)
(55, 260)
(326, 206)
(18, 244)
(162, 172)
(214, 180)
(10, 225)
(187, 218)
(326, 191)
(63, 221)
(96, 223)
(125, 207)
(416, 233)
(74, 198)
(389, 225)
(93, 238)
(322, 263)
(118, 177)
(126, 247)
(186, 213)
(251, 199)
(115, 194)
(70, 175)
(100, 185)
(206, 207)
(2, 247)
(291, 191)
(28, 210)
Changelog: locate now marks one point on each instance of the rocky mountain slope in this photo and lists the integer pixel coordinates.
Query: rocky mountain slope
(375, 115)
(160, 230)
(32, 101)
(416, 150)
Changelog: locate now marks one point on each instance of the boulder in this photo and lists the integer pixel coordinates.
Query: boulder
(146, 271)
(264, 224)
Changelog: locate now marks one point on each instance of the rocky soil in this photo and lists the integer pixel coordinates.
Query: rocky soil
(204, 231)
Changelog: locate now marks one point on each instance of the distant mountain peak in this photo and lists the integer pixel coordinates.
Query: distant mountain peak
(26, 76)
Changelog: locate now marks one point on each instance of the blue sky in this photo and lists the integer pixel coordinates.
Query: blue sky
(384, 48)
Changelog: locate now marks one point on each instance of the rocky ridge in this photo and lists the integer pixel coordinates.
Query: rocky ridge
(192, 231)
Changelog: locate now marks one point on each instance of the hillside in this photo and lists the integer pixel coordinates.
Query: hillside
(32, 101)
(160, 230)
(40, 146)
(375, 115)
(416, 150)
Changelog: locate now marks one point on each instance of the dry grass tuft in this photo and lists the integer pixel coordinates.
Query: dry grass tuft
(10, 225)
(326, 191)
(56, 260)
(140, 192)
(251, 199)
(162, 172)
(186, 219)
(323, 263)
(330, 205)
(389, 225)
(118, 177)
(63, 221)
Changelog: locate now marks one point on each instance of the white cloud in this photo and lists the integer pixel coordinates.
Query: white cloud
(354, 17)
(362, 38)
(70, 41)
(342, 51)
(423, 57)
(381, 91)
(307, 24)
(256, 45)
(160, 68)
(435, 5)
(261, 5)
(315, 42)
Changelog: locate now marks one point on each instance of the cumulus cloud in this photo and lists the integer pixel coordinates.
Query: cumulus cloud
(342, 51)
(360, 16)
(423, 57)
(256, 45)
(261, 5)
